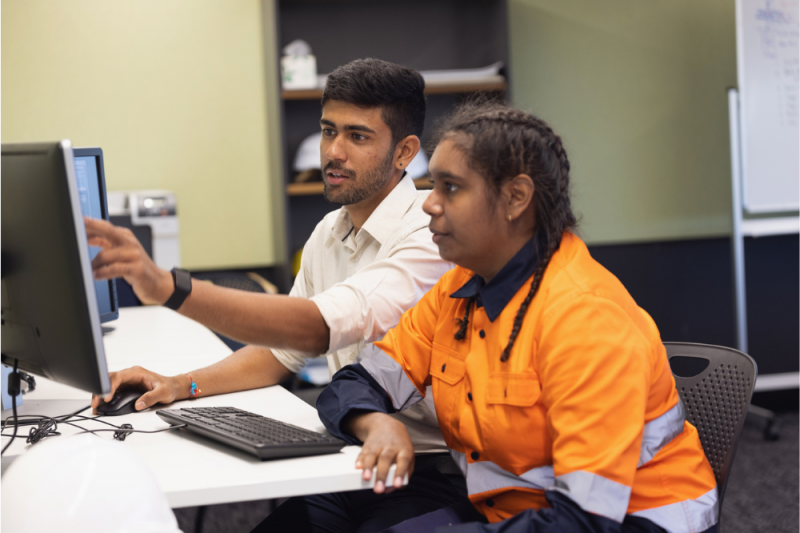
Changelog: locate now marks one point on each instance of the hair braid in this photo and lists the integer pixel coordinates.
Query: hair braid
(464, 322)
(538, 274)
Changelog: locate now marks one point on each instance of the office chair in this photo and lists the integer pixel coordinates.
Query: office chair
(715, 384)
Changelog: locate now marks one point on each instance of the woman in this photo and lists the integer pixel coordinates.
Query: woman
(552, 388)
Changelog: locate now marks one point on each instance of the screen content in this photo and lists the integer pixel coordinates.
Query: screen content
(89, 190)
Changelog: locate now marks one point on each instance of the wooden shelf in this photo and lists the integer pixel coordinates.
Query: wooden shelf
(304, 189)
(315, 187)
(436, 88)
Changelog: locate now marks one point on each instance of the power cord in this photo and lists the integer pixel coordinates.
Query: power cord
(47, 426)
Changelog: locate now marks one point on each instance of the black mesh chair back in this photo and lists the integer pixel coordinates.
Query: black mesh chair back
(715, 384)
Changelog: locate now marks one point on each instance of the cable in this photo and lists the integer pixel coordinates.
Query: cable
(37, 418)
(120, 432)
(47, 426)
(13, 390)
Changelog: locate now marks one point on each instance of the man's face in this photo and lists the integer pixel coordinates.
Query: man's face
(465, 222)
(356, 152)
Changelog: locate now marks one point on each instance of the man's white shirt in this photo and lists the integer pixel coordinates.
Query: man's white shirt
(363, 282)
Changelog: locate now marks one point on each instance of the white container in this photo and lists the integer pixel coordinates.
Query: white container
(299, 72)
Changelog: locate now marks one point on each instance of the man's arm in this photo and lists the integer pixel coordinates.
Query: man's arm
(267, 320)
(251, 367)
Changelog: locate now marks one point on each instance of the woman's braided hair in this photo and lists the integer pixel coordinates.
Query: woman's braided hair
(500, 143)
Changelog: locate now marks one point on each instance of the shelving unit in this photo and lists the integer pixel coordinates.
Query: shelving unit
(428, 35)
(308, 189)
(492, 84)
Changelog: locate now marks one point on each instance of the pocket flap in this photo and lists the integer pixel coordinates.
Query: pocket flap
(446, 367)
(519, 389)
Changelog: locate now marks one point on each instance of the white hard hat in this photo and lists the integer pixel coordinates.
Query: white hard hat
(307, 158)
(418, 166)
(83, 484)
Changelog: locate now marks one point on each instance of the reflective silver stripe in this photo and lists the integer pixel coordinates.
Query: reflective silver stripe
(485, 476)
(595, 494)
(660, 431)
(391, 376)
(460, 459)
(688, 516)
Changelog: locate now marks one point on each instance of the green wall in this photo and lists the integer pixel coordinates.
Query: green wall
(637, 90)
(175, 92)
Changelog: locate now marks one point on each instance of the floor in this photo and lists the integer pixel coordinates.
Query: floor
(762, 494)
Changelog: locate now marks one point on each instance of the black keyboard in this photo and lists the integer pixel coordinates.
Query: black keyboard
(261, 436)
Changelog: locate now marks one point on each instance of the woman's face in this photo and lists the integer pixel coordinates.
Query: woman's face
(467, 224)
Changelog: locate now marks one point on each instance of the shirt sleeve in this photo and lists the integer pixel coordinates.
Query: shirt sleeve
(391, 380)
(295, 360)
(366, 305)
(594, 365)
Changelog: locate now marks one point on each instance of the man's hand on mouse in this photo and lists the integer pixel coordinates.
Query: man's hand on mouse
(159, 389)
(123, 256)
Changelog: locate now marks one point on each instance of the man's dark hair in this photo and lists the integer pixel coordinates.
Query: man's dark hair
(398, 90)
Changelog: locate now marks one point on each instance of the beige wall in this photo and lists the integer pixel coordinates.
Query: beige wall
(638, 91)
(173, 91)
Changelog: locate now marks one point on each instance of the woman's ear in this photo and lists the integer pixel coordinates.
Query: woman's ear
(405, 151)
(519, 196)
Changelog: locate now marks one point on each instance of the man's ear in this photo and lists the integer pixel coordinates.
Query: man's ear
(405, 151)
(518, 193)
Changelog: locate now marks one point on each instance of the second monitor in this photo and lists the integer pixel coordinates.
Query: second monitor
(91, 182)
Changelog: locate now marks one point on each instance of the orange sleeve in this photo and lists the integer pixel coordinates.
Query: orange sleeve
(594, 364)
(409, 343)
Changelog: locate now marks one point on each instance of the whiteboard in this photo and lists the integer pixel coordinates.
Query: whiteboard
(767, 59)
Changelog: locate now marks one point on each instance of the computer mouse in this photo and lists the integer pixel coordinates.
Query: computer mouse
(122, 403)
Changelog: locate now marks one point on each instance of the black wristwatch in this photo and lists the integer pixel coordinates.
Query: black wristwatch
(183, 288)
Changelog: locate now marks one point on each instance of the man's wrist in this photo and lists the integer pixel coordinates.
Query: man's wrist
(182, 288)
(166, 286)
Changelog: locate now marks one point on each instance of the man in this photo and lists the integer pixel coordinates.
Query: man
(362, 267)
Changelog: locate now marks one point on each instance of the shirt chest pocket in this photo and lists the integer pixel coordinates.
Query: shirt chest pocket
(519, 389)
(447, 366)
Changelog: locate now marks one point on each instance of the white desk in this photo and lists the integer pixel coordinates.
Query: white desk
(190, 469)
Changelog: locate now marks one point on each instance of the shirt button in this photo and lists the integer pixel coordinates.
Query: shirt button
(482, 334)
(475, 456)
(469, 395)
(490, 502)
(443, 367)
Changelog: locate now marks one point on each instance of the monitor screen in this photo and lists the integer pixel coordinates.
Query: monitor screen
(50, 318)
(91, 181)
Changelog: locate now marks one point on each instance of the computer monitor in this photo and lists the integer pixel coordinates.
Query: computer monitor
(91, 179)
(50, 316)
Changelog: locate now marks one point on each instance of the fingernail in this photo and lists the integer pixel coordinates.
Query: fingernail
(398, 482)
(140, 405)
(108, 398)
(358, 464)
(379, 487)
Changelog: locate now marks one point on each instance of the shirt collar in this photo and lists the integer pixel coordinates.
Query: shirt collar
(495, 295)
(385, 218)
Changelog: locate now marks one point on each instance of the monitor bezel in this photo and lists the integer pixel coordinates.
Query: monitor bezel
(97, 153)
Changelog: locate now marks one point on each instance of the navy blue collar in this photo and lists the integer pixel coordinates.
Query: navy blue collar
(496, 294)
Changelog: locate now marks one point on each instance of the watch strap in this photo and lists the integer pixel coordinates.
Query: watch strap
(183, 288)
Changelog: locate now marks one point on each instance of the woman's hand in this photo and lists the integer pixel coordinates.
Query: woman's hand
(386, 441)
(156, 388)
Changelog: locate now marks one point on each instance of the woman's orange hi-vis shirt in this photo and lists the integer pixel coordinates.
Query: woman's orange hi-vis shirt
(585, 407)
